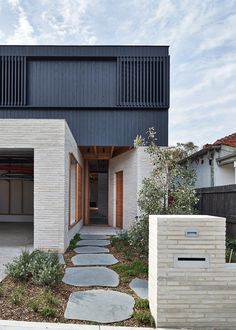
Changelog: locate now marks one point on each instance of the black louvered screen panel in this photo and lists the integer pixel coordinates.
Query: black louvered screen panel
(12, 80)
(143, 81)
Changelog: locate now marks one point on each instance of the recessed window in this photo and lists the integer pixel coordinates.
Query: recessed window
(75, 191)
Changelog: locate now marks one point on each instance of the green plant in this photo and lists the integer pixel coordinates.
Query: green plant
(142, 303)
(134, 268)
(121, 244)
(144, 317)
(50, 299)
(2, 292)
(45, 268)
(73, 242)
(17, 295)
(138, 236)
(47, 311)
(169, 189)
(19, 268)
(44, 304)
(230, 251)
(119, 324)
(34, 303)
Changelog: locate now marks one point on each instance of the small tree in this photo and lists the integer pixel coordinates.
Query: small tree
(168, 190)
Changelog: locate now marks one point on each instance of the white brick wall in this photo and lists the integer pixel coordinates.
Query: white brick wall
(51, 141)
(135, 165)
(199, 298)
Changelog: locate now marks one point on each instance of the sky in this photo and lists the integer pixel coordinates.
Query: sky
(201, 35)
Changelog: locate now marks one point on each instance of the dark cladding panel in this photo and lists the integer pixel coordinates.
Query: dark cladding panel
(12, 80)
(72, 83)
(103, 127)
(143, 81)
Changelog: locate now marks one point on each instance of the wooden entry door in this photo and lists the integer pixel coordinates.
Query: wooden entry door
(119, 199)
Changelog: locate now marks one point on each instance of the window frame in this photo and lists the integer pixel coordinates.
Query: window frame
(78, 191)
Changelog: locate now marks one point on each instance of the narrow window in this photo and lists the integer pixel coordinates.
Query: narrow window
(75, 191)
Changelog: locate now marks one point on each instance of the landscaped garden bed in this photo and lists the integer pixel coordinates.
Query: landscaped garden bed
(28, 300)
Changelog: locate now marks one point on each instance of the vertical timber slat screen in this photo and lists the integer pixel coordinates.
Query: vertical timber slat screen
(13, 80)
(143, 81)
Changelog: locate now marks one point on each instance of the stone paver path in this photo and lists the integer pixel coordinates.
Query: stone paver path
(91, 276)
(91, 249)
(94, 260)
(93, 242)
(140, 287)
(103, 306)
(87, 236)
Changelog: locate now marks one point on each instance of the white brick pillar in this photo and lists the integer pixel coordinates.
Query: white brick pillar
(190, 284)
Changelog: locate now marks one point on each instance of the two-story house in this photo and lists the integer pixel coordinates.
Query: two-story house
(68, 119)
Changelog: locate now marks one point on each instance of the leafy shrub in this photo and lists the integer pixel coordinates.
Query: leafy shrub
(138, 236)
(19, 268)
(45, 268)
(230, 252)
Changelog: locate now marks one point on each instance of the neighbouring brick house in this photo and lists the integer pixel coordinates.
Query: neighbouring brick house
(68, 118)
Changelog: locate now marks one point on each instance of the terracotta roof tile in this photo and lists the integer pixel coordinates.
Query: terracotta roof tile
(229, 140)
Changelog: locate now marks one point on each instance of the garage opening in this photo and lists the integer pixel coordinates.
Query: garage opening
(16, 197)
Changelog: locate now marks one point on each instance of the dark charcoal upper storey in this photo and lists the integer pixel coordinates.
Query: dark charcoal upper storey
(106, 93)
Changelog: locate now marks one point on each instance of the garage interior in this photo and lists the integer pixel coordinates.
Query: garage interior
(16, 197)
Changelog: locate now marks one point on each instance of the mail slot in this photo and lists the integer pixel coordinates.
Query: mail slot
(191, 233)
(191, 261)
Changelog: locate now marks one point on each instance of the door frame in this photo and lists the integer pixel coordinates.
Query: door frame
(87, 194)
(119, 174)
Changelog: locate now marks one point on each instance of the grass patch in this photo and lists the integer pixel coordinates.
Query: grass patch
(73, 242)
(121, 244)
(2, 292)
(17, 295)
(131, 269)
(142, 315)
(142, 304)
(44, 304)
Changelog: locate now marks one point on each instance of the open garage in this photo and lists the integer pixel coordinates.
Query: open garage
(16, 197)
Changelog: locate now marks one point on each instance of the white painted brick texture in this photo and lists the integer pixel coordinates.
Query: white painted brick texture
(135, 165)
(51, 141)
(202, 298)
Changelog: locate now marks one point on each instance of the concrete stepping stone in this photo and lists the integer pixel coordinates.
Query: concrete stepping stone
(94, 260)
(140, 287)
(91, 276)
(93, 242)
(87, 236)
(102, 306)
(91, 249)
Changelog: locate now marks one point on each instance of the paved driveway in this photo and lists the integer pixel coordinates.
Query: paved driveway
(14, 237)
